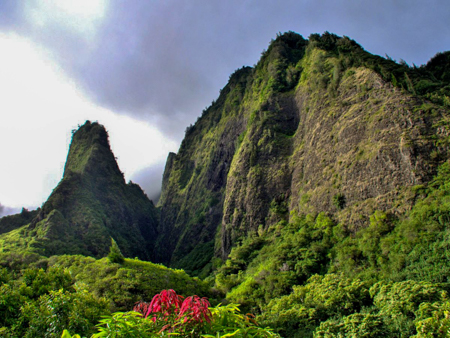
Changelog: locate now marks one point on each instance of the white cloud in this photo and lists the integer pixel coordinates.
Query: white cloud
(40, 106)
(82, 16)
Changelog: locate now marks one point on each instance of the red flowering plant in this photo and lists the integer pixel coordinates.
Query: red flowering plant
(170, 314)
(164, 305)
(195, 310)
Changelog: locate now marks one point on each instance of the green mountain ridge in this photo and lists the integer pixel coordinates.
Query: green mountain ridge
(318, 125)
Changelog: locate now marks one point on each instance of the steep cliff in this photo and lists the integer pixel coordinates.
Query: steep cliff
(318, 125)
(192, 198)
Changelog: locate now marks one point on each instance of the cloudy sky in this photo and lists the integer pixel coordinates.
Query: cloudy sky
(147, 68)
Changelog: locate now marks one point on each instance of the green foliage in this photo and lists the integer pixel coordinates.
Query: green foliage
(356, 325)
(268, 264)
(72, 292)
(126, 283)
(432, 319)
(399, 302)
(227, 321)
(37, 282)
(321, 298)
(124, 324)
(40, 303)
(417, 248)
(115, 255)
(10, 302)
(53, 312)
(197, 262)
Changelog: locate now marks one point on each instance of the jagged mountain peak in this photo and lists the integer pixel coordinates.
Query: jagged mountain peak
(90, 153)
(92, 203)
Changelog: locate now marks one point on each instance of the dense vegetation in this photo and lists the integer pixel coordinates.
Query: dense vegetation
(42, 296)
(312, 276)
(314, 193)
(309, 277)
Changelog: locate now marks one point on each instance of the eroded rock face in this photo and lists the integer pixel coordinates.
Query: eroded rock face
(194, 180)
(363, 147)
(318, 126)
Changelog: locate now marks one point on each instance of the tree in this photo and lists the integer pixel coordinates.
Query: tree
(115, 255)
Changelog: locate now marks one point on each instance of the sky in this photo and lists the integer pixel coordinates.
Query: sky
(146, 69)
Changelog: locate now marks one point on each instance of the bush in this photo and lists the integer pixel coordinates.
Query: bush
(58, 310)
(321, 298)
(356, 325)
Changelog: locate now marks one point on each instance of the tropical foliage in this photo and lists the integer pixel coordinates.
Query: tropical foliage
(73, 292)
(169, 315)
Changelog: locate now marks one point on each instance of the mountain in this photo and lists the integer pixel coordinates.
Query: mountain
(317, 126)
(91, 204)
(11, 222)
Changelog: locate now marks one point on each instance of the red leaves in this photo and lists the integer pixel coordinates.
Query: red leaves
(167, 306)
(195, 309)
(164, 304)
(141, 307)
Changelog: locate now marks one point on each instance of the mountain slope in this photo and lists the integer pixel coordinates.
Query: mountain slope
(318, 125)
(91, 204)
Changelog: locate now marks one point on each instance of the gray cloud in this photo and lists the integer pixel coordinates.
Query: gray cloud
(5, 211)
(164, 61)
(150, 179)
(9, 14)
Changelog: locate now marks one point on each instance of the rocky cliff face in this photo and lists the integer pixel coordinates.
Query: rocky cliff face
(92, 203)
(191, 203)
(318, 125)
